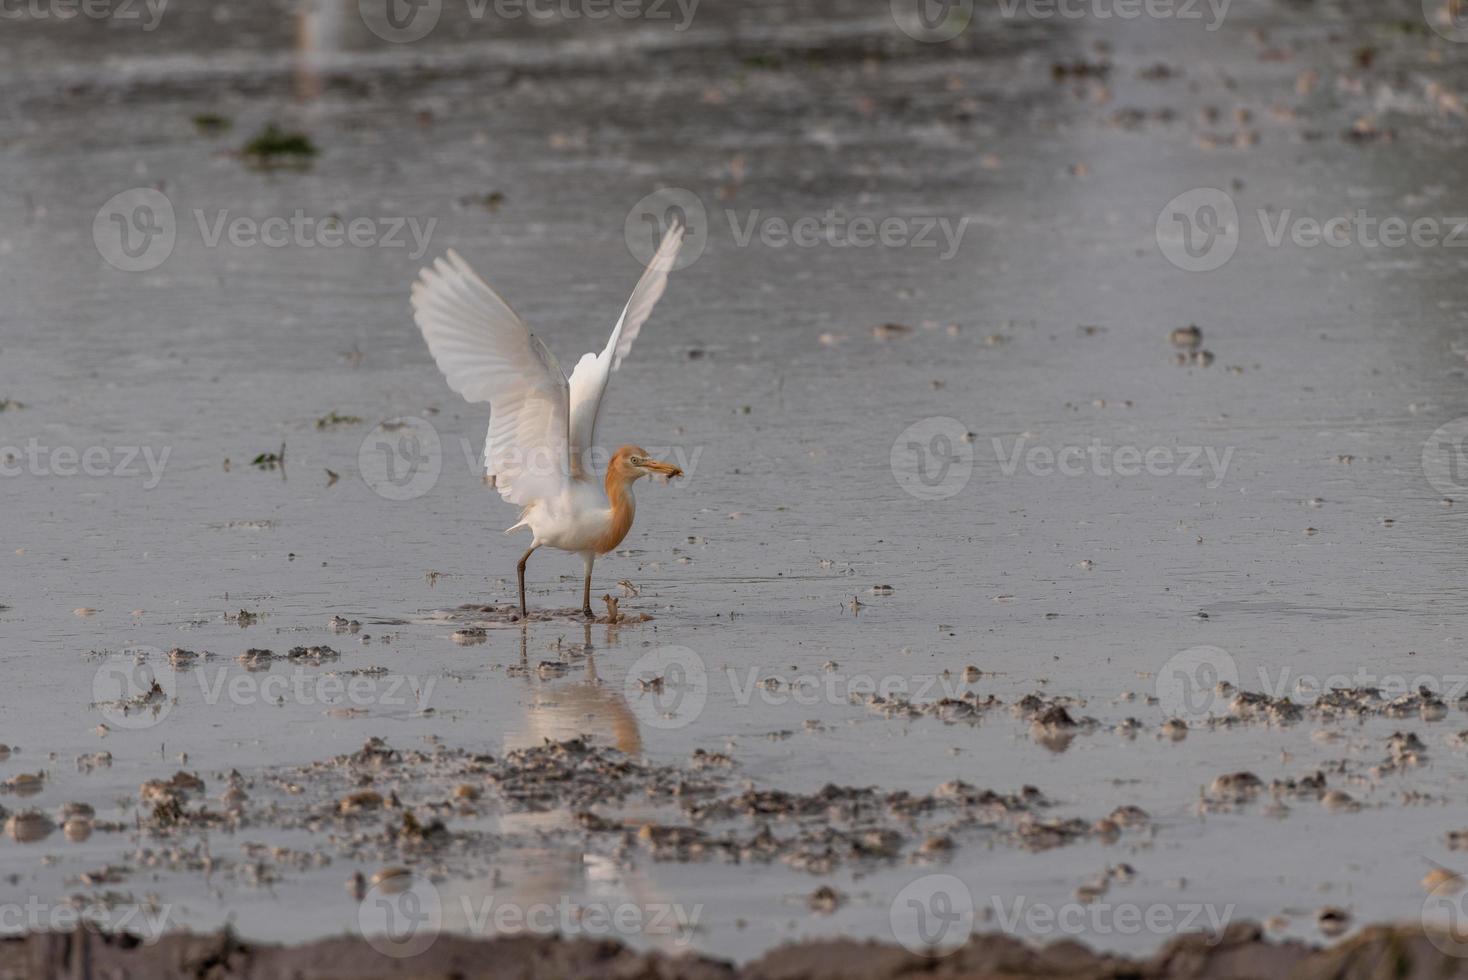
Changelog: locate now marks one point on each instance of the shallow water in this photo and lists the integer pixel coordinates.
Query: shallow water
(760, 373)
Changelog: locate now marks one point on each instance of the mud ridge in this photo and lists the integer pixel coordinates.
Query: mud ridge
(1241, 952)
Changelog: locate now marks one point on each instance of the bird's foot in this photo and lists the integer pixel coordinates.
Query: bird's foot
(586, 611)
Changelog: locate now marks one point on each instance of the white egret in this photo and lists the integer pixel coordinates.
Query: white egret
(542, 427)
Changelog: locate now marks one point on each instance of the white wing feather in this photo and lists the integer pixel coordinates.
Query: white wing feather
(593, 371)
(488, 355)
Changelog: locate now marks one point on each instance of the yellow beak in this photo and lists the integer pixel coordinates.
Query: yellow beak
(666, 470)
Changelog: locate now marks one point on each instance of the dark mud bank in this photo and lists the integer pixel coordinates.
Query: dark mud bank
(1380, 951)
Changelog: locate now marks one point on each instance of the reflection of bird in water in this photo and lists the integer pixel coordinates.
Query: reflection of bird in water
(542, 428)
(552, 872)
(569, 708)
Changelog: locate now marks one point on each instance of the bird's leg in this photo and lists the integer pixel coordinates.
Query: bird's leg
(523, 559)
(586, 592)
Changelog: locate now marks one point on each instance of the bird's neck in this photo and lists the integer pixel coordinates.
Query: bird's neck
(619, 495)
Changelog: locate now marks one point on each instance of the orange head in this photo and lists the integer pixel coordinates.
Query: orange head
(631, 463)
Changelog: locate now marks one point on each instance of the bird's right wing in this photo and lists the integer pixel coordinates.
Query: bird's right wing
(593, 372)
(488, 355)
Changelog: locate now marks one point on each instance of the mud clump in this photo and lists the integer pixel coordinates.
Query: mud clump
(825, 900)
(1406, 750)
(166, 806)
(29, 826)
(1234, 787)
(1333, 705)
(1189, 337)
(1306, 787)
(968, 706)
(578, 774)
(153, 699)
(1369, 701)
(374, 754)
(256, 659)
(1035, 834)
(182, 659)
(1255, 706)
(24, 783)
(360, 802)
(314, 656)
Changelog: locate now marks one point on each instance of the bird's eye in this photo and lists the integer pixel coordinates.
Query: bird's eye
(637, 461)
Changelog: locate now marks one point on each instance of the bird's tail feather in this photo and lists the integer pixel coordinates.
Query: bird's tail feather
(523, 522)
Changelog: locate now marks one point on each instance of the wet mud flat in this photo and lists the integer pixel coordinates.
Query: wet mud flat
(435, 834)
(1400, 953)
(348, 707)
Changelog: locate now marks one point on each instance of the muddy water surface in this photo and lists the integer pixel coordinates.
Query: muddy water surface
(1019, 477)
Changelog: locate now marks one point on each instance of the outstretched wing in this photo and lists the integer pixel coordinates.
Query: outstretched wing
(593, 371)
(488, 355)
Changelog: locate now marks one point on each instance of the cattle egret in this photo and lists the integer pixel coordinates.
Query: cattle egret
(542, 427)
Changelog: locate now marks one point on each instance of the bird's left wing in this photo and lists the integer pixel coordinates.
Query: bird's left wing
(593, 371)
(488, 354)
